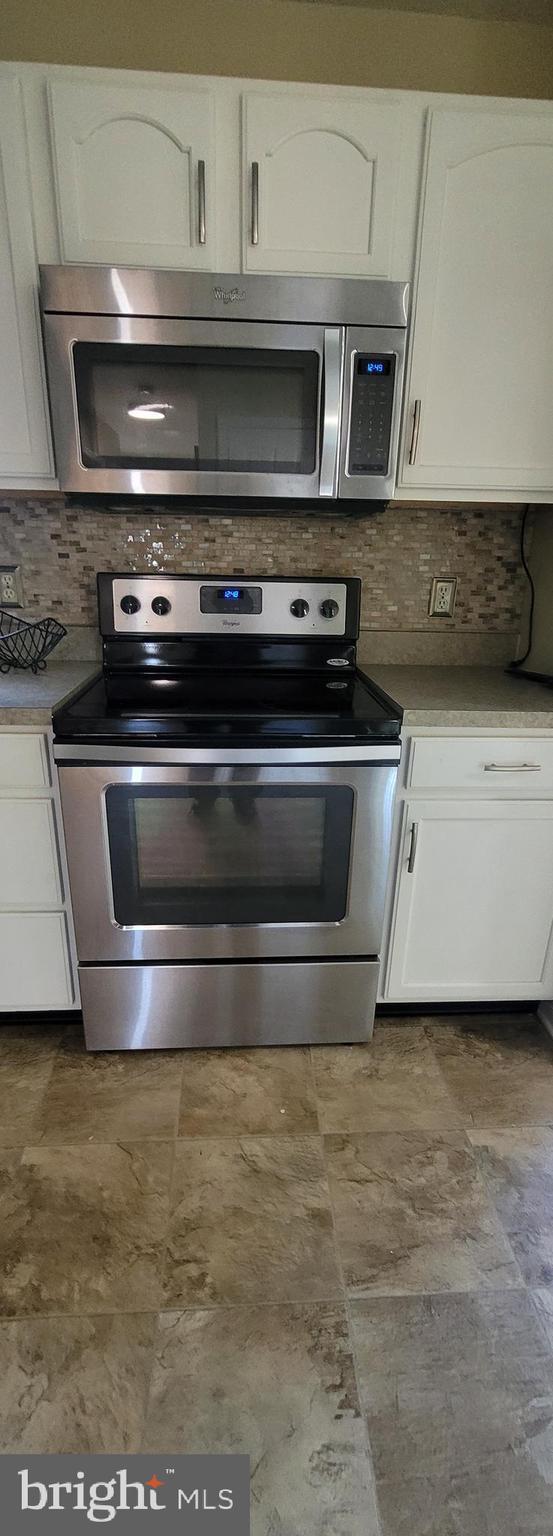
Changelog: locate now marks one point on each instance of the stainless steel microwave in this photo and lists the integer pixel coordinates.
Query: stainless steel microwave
(206, 386)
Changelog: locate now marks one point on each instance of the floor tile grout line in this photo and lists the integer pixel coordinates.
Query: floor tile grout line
(170, 1190)
(349, 1298)
(313, 1133)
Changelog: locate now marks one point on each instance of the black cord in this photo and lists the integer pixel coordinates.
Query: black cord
(528, 573)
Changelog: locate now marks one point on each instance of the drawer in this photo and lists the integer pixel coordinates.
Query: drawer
(481, 762)
(31, 875)
(23, 761)
(35, 967)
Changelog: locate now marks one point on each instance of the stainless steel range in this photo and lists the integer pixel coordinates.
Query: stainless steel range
(227, 787)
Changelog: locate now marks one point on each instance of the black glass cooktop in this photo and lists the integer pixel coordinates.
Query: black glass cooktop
(242, 706)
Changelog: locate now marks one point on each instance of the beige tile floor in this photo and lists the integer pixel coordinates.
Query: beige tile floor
(338, 1261)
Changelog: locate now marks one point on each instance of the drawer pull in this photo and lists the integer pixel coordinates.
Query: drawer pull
(413, 848)
(512, 767)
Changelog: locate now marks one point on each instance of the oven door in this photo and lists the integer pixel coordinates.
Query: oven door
(194, 407)
(227, 861)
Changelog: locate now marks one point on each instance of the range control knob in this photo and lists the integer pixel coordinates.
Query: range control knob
(129, 604)
(328, 608)
(161, 605)
(299, 607)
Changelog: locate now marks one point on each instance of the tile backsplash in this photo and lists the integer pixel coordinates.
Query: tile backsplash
(396, 552)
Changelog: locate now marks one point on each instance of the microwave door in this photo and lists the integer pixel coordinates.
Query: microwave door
(373, 379)
(194, 408)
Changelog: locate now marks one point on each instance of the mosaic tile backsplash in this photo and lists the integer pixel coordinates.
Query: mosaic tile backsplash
(396, 552)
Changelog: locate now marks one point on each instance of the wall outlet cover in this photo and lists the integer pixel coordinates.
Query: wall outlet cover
(11, 586)
(442, 596)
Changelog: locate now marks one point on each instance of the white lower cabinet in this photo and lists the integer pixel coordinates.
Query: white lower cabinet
(473, 910)
(36, 959)
(35, 969)
(31, 875)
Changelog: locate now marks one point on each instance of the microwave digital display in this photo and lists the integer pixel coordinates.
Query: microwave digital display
(374, 365)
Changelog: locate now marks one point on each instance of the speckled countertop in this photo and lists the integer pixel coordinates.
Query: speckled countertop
(438, 696)
(28, 699)
(465, 696)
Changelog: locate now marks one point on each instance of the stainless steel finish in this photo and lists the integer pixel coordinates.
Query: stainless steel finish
(128, 291)
(332, 386)
(386, 341)
(130, 305)
(512, 767)
(413, 847)
(185, 616)
(255, 202)
(61, 332)
(415, 432)
(100, 939)
(201, 203)
(75, 752)
(174, 1006)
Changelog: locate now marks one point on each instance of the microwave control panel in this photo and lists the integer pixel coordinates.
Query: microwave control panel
(372, 399)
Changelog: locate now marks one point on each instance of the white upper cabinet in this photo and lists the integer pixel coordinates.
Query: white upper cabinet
(135, 173)
(24, 434)
(320, 177)
(480, 391)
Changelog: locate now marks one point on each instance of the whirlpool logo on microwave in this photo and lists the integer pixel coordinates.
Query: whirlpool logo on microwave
(230, 295)
(191, 1495)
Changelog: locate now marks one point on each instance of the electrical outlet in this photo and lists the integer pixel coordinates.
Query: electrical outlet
(11, 586)
(442, 596)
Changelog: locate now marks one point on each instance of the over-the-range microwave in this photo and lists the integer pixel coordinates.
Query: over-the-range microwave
(224, 387)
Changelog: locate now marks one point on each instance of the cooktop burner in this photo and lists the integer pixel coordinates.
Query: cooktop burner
(184, 662)
(204, 707)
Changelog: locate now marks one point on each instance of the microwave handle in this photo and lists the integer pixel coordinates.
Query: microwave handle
(332, 404)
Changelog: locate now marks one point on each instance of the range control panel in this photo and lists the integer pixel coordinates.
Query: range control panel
(372, 400)
(164, 606)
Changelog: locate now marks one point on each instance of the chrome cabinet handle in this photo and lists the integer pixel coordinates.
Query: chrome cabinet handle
(255, 203)
(415, 432)
(201, 202)
(332, 385)
(413, 847)
(512, 767)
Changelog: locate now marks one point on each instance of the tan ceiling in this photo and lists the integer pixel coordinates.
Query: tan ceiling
(508, 10)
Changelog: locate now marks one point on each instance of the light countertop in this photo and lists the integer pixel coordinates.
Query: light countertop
(430, 696)
(466, 696)
(28, 698)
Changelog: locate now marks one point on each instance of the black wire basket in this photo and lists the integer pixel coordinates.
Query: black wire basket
(26, 644)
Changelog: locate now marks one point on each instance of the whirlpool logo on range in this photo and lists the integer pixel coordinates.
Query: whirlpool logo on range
(193, 1495)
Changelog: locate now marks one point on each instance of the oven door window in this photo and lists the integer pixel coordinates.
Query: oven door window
(247, 854)
(197, 408)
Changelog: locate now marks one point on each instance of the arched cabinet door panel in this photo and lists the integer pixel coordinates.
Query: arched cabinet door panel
(135, 173)
(319, 184)
(478, 406)
(25, 451)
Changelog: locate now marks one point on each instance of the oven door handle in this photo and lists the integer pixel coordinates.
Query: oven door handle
(332, 408)
(82, 755)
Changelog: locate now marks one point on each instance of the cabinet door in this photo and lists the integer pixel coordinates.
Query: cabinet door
(481, 380)
(319, 189)
(474, 905)
(134, 172)
(24, 433)
(30, 860)
(35, 966)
